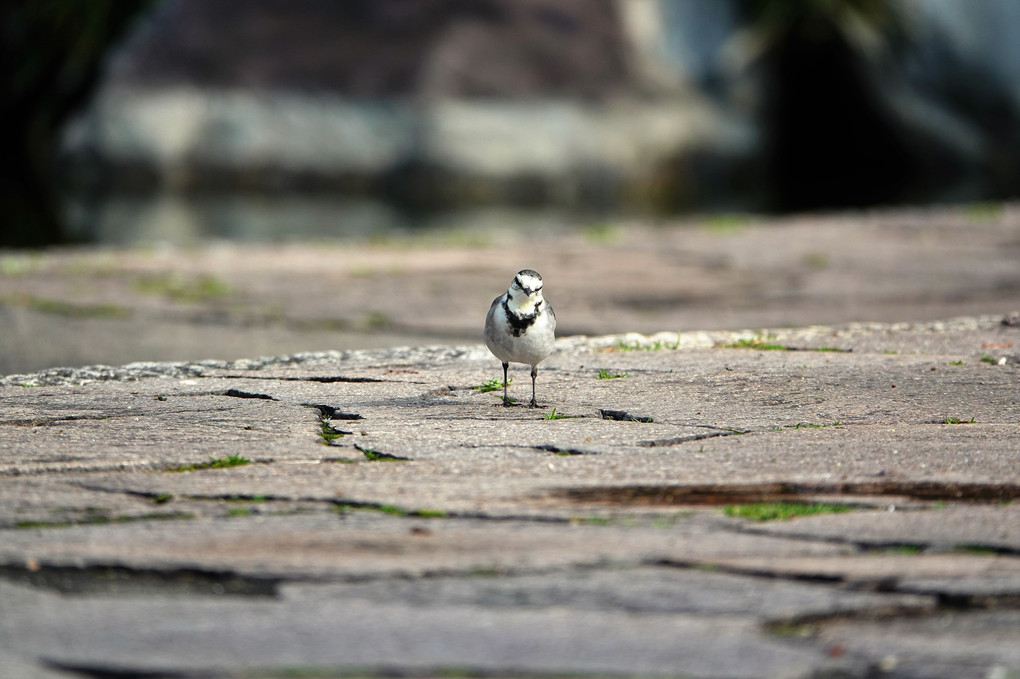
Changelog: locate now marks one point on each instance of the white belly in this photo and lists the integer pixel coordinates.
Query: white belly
(534, 344)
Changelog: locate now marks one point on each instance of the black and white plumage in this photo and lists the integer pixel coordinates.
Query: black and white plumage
(521, 327)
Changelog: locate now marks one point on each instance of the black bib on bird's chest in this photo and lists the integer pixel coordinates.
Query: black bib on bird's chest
(518, 323)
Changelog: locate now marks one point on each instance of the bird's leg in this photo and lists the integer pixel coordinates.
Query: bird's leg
(534, 373)
(506, 401)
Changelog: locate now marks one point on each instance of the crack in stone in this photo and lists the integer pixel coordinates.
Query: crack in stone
(622, 416)
(938, 600)
(877, 545)
(779, 491)
(491, 418)
(328, 412)
(53, 421)
(377, 456)
(237, 393)
(322, 379)
(99, 579)
(550, 448)
(677, 440)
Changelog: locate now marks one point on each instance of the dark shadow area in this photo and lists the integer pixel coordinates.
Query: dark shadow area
(52, 57)
(427, 108)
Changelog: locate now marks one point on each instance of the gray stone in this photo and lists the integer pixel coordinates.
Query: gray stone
(351, 634)
(509, 540)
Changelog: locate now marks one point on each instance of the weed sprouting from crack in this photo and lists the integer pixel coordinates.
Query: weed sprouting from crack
(244, 498)
(493, 384)
(975, 550)
(331, 413)
(781, 511)
(901, 550)
(957, 420)
(344, 506)
(814, 425)
(214, 463)
(663, 521)
(329, 433)
(376, 456)
(606, 375)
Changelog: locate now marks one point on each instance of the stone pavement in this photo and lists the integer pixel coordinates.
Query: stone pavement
(85, 306)
(375, 513)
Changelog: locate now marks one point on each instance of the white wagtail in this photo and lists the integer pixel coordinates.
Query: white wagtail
(521, 327)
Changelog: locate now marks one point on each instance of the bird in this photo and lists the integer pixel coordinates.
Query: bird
(521, 327)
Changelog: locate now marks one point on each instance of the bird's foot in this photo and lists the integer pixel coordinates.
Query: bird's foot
(533, 404)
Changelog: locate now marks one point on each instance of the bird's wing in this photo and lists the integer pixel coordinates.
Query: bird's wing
(492, 310)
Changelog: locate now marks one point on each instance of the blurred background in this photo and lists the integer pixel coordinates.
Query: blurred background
(175, 120)
(180, 123)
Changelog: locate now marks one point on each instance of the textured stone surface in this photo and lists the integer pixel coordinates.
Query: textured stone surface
(494, 541)
(80, 307)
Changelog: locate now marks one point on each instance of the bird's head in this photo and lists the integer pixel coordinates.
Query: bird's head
(525, 290)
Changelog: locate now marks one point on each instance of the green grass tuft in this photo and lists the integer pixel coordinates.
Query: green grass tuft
(430, 514)
(902, 550)
(329, 433)
(956, 420)
(976, 550)
(392, 510)
(492, 385)
(606, 375)
(781, 511)
(375, 456)
(179, 289)
(215, 463)
(591, 520)
(812, 425)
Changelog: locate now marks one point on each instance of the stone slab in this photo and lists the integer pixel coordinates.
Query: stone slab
(509, 541)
